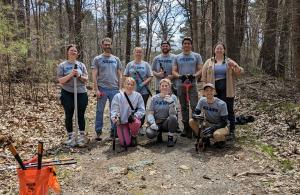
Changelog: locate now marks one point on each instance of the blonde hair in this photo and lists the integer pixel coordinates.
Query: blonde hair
(129, 80)
(166, 81)
(136, 48)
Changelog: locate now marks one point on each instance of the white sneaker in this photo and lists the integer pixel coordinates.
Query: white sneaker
(71, 142)
(82, 141)
(142, 131)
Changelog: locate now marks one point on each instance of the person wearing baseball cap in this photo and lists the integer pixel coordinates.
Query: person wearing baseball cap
(213, 111)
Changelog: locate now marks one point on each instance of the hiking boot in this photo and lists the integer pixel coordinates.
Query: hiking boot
(142, 131)
(82, 140)
(71, 142)
(159, 138)
(185, 129)
(98, 136)
(220, 144)
(133, 141)
(170, 141)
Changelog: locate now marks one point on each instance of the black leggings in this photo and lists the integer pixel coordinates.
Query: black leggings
(145, 98)
(67, 100)
(221, 94)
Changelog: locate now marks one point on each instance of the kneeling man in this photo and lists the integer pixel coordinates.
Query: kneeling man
(213, 112)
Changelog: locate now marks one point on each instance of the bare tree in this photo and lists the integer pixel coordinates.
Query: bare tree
(296, 41)
(128, 37)
(229, 26)
(215, 22)
(267, 53)
(109, 29)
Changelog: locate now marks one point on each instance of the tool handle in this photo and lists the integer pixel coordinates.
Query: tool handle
(40, 154)
(16, 155)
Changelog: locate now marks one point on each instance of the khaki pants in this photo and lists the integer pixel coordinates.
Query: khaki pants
(218, 136)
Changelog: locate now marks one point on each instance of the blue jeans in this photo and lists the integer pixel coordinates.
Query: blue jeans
(108, 93)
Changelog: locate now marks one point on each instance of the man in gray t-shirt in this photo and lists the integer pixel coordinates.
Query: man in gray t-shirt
(107, 76)
(162, 65)
(214, 111)
(187, 67)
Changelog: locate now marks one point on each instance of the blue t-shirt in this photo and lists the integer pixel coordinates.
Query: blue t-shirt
(66, 68)
(166, 61)
(220, 71)
(144, 70)
(108, 67)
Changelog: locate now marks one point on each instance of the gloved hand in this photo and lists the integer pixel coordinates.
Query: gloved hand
(191, 77)
(198, 117)
(169, 99)
(154, 126)
(131, 118)
(208, 131)
(182, 78)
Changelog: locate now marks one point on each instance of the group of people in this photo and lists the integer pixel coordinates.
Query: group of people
(127, 89)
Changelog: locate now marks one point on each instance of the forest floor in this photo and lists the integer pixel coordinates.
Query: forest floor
(264, 160)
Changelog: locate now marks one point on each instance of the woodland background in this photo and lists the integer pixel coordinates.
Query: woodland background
(263, 36)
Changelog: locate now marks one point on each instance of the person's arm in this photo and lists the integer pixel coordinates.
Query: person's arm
(237, 70)
(172, 106)
(204, 71)
(159, 74)
(115, 109)
(149, 74)
(199, 66)
(140, 108)
(84, 76)
(120, 77)
(61, 78)
(175, 70)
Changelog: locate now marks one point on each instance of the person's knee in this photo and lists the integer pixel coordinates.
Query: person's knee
(173, 118)
(194, 125)
(220, 134)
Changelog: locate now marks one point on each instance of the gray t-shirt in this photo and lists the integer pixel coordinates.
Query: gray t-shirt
(66, 68)
(214, 111)
(121, 106)
(108, 67)
(160, 107)
(145, 71)
(166, 62)
(187, 63)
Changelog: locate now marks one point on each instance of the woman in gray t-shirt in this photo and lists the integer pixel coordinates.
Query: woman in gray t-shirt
(67, 71)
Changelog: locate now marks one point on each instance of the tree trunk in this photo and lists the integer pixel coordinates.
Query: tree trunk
(202, 45)
(239, 28)
(194, 21)
(60, 27)
(109, 32)
(128, 37)
(71, 21)
(296, 41)
(78, 15)
(137, 24)
(284, 39)
(215, 23)
(21, 19)
(28, 38)
(229, 28)
(267, 53)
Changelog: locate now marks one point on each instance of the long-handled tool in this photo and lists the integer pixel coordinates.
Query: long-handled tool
(75, 104)
(162, 68)
(16, 155)
(114, 138)
(200, 145)
(40, 154)
(141, 78)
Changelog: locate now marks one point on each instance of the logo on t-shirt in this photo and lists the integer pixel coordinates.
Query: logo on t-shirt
(210, 109)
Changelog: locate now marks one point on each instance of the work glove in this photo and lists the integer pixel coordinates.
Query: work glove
(154, 126)
(198, 117)
(182, 78)
(169, 99)
(190, 77)
(208, 131)
(131, 118)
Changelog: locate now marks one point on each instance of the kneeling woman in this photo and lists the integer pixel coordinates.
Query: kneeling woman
(127, 109)
(163, 113)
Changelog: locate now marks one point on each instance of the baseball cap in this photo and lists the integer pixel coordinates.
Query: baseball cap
(208, 85)
(165, 42)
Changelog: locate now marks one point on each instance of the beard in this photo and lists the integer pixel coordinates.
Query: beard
(165, 51)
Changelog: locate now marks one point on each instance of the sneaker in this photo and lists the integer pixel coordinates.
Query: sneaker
(71, 142)
(133, 141)
(82, 141)
(170, 141)
(142, 131)
(98, 136)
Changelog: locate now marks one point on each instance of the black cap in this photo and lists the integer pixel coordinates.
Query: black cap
(165, 42)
